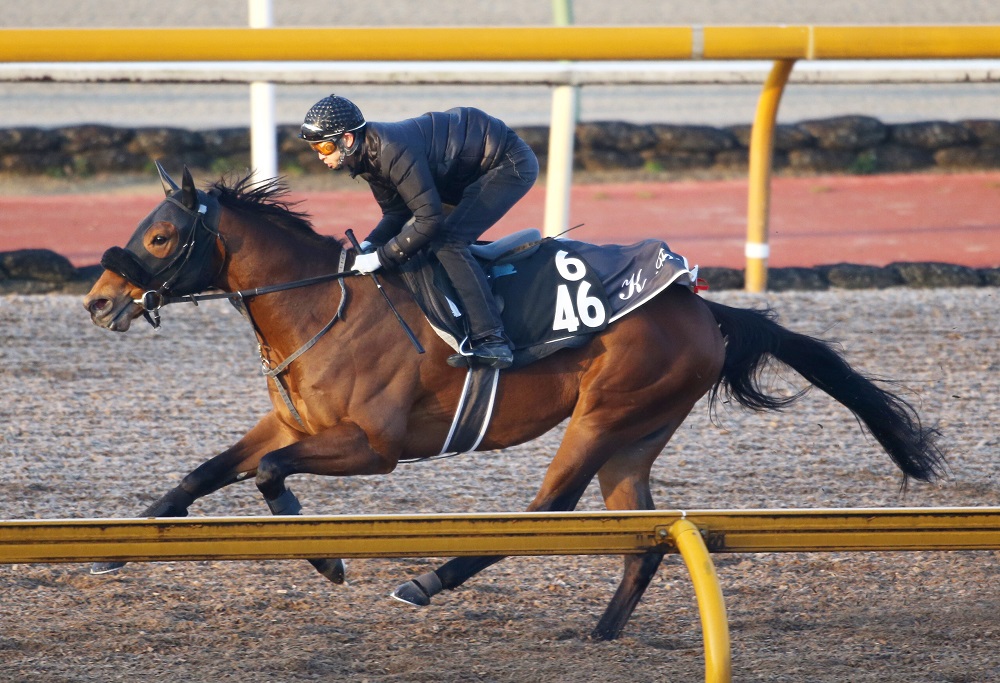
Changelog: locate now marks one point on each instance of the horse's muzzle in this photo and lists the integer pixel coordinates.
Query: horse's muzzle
(111, 313)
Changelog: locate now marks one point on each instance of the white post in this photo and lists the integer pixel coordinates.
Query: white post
(263, 128)
(559, 179)
(562, 130)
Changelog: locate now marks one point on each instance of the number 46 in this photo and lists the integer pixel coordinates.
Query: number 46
(586, 309)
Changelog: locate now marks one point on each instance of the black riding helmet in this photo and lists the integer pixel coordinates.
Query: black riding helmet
(330, 118)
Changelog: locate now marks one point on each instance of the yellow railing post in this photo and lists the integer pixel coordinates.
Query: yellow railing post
(761, 155)
(711, 604)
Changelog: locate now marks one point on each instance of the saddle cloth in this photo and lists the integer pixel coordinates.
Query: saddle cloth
(552, 293)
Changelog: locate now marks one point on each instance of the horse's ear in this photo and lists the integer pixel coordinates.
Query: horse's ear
(189, 195)
(168, 183)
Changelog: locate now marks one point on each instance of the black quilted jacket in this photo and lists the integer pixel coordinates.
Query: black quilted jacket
(417, 165)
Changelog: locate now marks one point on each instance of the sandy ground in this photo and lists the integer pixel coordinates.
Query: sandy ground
(97, 424)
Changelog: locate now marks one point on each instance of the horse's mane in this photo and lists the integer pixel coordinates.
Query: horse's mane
(266, 198)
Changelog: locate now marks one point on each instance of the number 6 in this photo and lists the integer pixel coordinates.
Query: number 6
(570, 268)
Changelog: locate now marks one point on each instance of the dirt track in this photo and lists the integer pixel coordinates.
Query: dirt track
(871, 220)
(97, 424)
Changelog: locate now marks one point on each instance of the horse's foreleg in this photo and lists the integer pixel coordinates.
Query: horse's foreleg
(232, 465)
(317, 454)
(287, 504)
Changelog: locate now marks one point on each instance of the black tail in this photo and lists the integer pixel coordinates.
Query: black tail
(753, 337)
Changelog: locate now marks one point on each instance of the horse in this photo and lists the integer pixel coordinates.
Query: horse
(353, 398)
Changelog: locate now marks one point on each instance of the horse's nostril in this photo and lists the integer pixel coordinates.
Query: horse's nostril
(98, 305)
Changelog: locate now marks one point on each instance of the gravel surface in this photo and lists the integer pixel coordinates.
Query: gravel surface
(94, 424)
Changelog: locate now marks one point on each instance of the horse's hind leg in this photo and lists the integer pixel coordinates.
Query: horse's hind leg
(674, 356)
(576, 462)
(624, 483)
(457, 571)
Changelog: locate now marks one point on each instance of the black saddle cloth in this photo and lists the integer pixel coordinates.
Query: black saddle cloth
(552, 293)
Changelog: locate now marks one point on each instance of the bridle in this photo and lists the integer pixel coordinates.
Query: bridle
(186, 273)
(152, 300)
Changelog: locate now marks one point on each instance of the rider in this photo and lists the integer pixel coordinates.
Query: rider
(462, 157)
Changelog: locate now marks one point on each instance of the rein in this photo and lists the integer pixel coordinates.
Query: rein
(153, 300)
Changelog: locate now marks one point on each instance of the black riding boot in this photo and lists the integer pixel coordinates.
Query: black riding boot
(488, 345)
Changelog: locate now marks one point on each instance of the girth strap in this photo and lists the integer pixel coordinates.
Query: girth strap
(474, 412)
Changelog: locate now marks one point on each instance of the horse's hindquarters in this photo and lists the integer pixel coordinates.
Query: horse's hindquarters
(656, 361)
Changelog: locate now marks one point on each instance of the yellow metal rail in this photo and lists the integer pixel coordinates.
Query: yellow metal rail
(758, 249)
(576, 43)
(693, 534)
(574, 533)
(233, 538)
(711, 603)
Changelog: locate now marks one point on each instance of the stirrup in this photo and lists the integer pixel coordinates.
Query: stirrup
(457, 360)
(493, 352)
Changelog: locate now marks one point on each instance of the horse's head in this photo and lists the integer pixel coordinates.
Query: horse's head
(171, 253)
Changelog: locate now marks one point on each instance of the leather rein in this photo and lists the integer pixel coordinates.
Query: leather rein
(153, 300)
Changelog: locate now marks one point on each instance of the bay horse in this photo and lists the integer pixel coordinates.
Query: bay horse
(360, 400)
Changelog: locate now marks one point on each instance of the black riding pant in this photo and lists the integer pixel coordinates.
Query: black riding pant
(483, 203)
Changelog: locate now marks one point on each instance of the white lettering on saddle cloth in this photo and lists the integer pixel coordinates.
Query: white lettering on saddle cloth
(634, 286)
(572, 311)
(636, 283)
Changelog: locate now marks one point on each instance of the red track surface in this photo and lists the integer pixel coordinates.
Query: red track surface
(871, 220)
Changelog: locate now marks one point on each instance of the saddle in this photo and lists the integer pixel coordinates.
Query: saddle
(553, 293)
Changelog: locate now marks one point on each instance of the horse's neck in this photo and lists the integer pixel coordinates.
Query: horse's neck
(260, 254)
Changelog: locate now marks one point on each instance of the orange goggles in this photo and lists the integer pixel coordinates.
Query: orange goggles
(324, 147)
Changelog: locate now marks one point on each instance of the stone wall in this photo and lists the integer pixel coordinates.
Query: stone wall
(40, 271)
(846, 144)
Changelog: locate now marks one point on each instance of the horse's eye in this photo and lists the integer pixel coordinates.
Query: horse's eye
(158, 240)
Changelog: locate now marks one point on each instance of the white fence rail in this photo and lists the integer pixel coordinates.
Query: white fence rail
(506, 73)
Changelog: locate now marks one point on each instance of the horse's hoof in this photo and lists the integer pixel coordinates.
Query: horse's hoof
(412, 594)
(105, 567)
(604, 633)
(331, 569)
